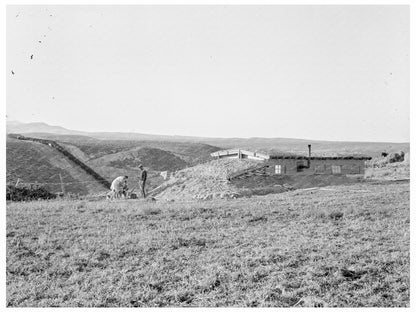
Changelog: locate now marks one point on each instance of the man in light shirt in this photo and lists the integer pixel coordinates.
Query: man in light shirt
(119, 187)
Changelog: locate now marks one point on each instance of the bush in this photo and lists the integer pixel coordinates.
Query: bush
(383, 161)
(396, 157)
(24, 193)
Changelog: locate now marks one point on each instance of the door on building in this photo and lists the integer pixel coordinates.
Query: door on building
(300, 165)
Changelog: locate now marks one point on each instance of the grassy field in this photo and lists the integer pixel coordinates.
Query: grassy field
(347, 246)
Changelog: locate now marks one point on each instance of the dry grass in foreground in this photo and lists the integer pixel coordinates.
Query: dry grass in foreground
(348, 247)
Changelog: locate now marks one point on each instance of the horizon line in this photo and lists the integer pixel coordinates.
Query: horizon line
(197, 137)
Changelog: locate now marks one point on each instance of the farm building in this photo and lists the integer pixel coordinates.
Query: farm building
(294, 165)
(316, 165)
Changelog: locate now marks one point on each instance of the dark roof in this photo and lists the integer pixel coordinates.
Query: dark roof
(319, 157)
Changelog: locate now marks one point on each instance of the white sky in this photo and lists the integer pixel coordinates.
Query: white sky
(313, 72)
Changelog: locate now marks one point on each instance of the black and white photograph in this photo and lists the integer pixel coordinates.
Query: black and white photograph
(207, 155)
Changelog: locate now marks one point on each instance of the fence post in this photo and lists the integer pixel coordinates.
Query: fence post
(62, 184)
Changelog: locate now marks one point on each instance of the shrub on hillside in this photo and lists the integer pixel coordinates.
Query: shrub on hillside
(396, 157)
(24, 193)
(383, 161)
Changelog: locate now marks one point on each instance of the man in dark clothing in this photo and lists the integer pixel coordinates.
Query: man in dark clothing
(142, 179)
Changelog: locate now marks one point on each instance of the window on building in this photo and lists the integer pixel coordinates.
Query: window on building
(278, 169)
(336, 169)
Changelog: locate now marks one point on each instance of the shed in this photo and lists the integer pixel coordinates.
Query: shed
(316, 165)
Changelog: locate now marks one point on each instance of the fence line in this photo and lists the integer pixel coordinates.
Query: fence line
(21, 181)
(51, 183)
(69, 155)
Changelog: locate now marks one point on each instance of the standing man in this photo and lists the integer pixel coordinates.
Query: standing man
(142, 179)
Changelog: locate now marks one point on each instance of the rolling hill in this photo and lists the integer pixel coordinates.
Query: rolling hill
(267, 145)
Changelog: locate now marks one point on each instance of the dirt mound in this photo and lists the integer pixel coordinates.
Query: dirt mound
(205, 181)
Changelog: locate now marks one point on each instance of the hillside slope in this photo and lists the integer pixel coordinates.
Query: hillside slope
(34, 162)
(191, 153)
(155, 159)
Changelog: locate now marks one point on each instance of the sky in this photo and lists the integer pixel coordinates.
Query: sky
(336, 73)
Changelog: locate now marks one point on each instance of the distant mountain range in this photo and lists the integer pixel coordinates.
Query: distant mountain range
(41, 127)
(19, 127)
